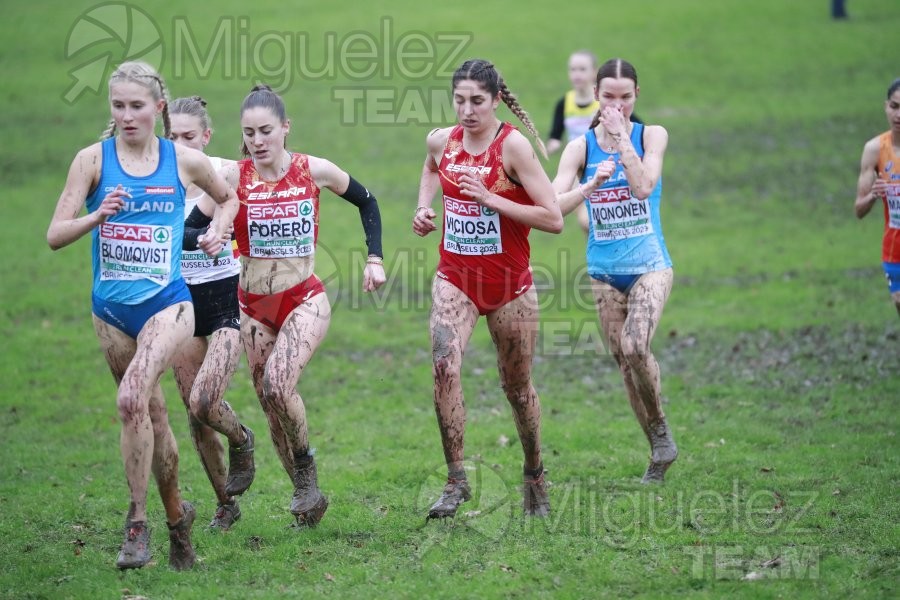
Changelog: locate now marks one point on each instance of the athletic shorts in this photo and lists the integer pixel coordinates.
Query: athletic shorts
(892, 274)
(272, 310)
(215, 306)
(487, 296)
(131, 318)
(623, 283)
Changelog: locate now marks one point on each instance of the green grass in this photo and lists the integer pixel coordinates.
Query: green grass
(778, 347)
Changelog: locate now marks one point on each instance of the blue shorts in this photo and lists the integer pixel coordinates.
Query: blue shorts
(623, 283)
(892, 273)
(131, 318)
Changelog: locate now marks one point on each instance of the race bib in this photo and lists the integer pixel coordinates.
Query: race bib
(195, 261)
(616, 215)
(133, 252)
(893, 205)
(282, 230)
(470, 228)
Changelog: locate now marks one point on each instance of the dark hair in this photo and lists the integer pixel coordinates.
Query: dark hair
(894, 87)
(485, 74)
(616, 68)
(195, 106)
(262, 96)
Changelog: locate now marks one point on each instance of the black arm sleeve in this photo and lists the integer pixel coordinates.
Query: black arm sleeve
(556, 129)
(195, 225)
(359, 196)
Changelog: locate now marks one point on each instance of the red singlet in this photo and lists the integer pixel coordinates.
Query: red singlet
(483, 253)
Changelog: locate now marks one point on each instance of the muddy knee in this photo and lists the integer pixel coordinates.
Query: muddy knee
(633, 353)
(274, 393)
(519, 394)
(200, 406)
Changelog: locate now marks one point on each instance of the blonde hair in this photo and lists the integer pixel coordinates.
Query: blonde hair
(195, 106)
(145, 75)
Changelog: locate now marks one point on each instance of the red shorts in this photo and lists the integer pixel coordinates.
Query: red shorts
(272, 310)
(487, 296)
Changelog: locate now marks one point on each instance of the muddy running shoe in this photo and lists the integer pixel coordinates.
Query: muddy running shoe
(308, 504)
(456, 491)
(241, 469)
(535, 500)
(181, 553)
(225, 517)
(663, 452)
(135, 552)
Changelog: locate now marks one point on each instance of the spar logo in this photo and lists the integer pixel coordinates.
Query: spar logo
(133, 233)
(276, 211)
(161, 235)
(468, 209)
(616, 194)
(306, 208)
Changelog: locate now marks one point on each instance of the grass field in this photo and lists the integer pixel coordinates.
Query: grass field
(778, 347)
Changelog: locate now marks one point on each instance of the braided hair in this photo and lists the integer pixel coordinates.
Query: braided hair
(145, 75)
(486, 74)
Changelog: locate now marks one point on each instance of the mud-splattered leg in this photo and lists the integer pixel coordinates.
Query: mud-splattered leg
(137, 365)
(646, 301)
(514, 329)
(629, 322)
(205, 439)
(453, 317)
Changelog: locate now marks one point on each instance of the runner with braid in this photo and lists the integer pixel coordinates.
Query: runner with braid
(494, 191)
(205, 364)
(285, 312)
(133, 184)
(618, 167)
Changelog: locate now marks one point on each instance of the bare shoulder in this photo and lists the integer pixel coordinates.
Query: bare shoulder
(575, 148)
(655, 133)
(871, 150)
(90, 154)
(230, 171)
(319, 166)
(518, 145)
(437, 139)
(190, 157)
(88, 161)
